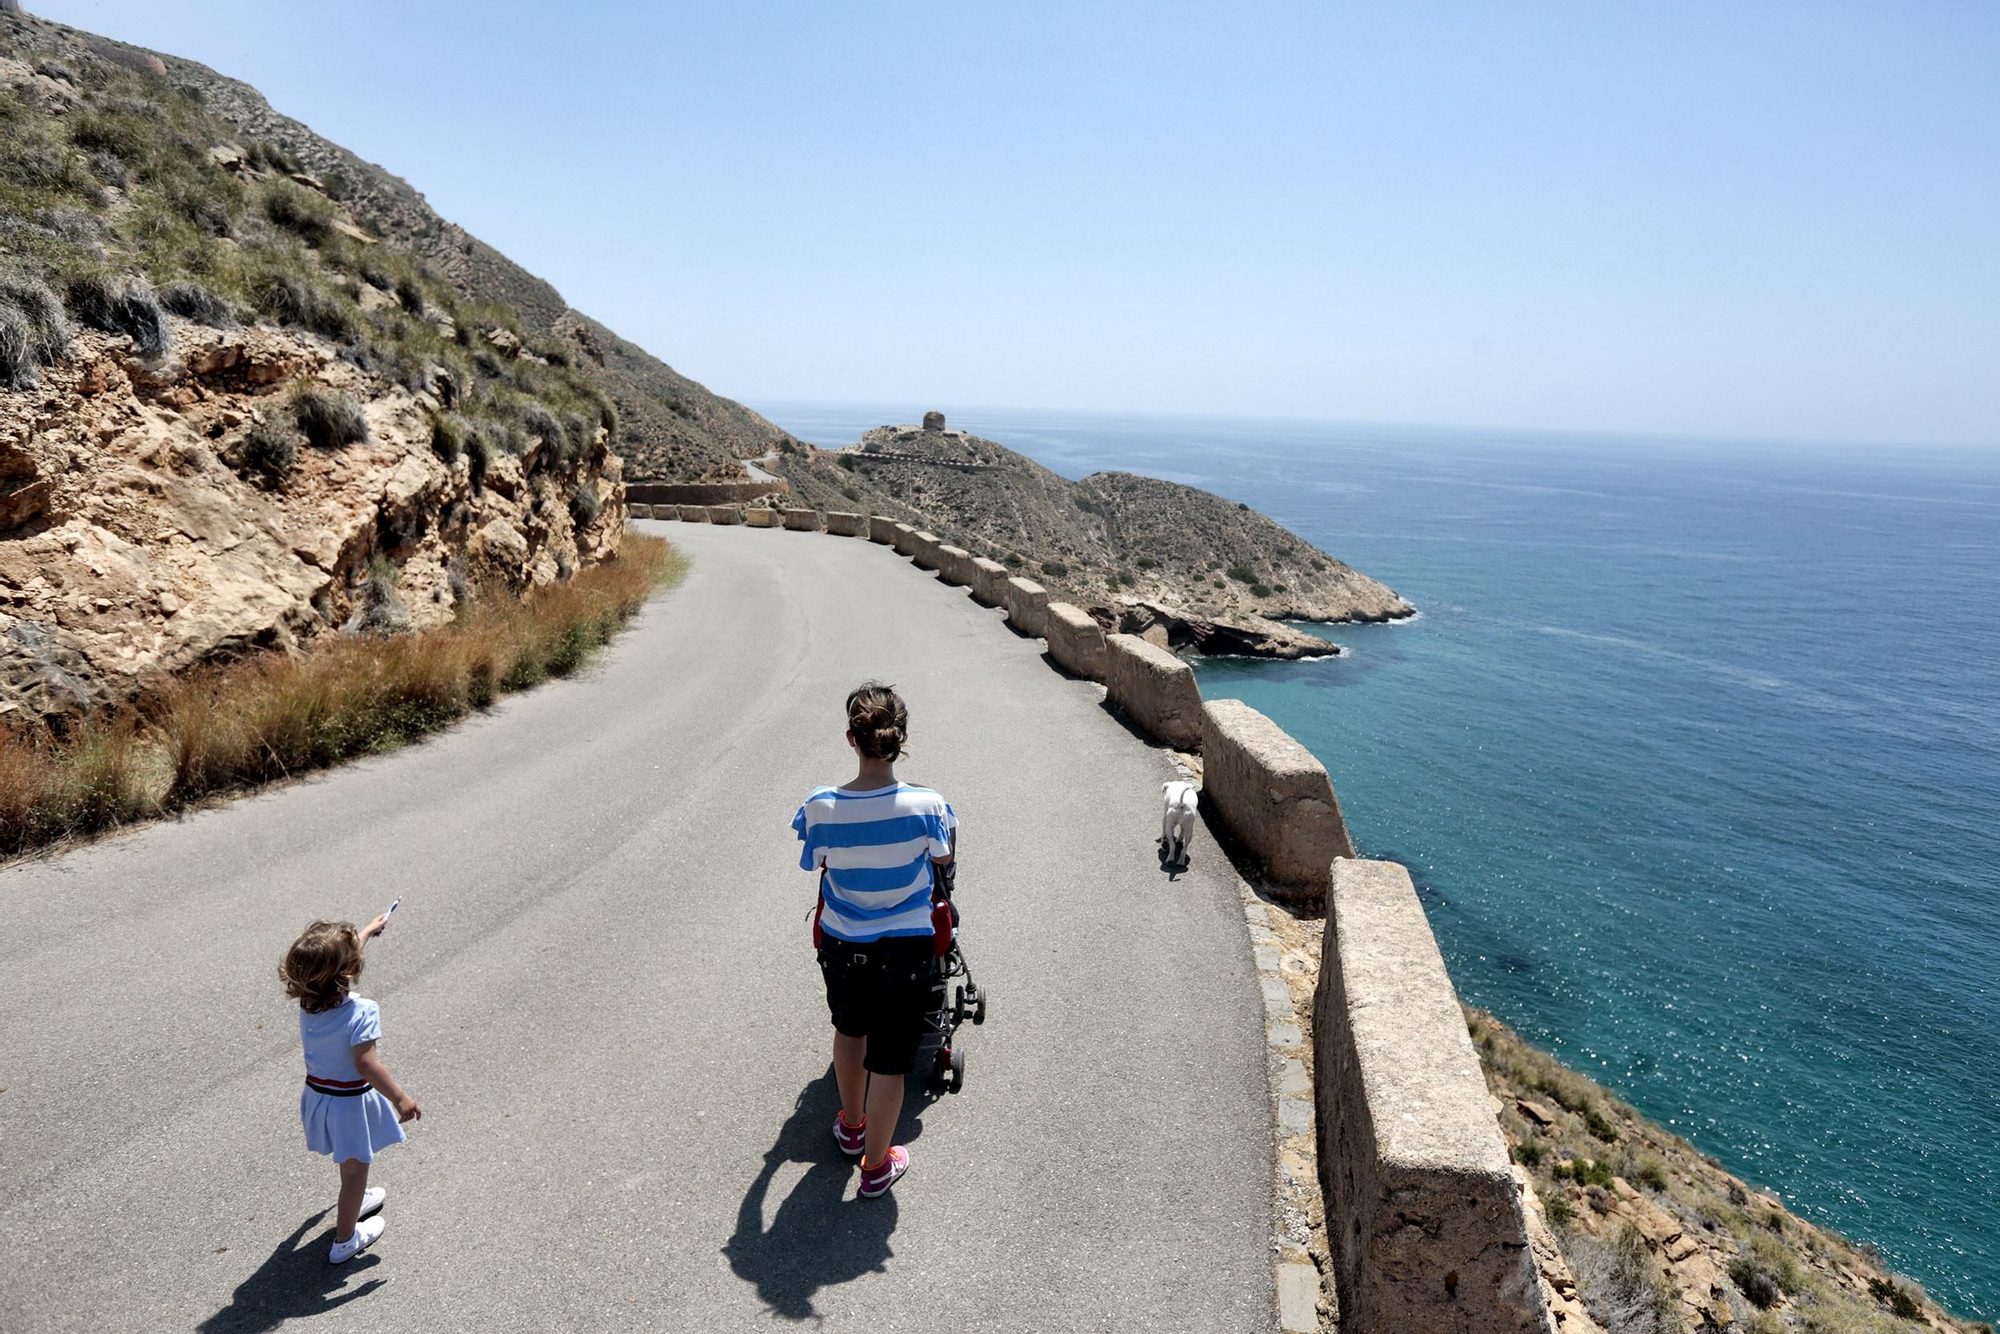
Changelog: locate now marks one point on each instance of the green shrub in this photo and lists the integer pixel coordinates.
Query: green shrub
(1242, 574)
(292, 301)
(33, 331)
(1055, 569)
(478, 455)
(585, 504)
(607, 417)
(267, 155)
(448, 436)
(1012, 560)
(1650, 1173)
(1260, 590)
(1595, 1122)
(1557, 1208)
(1528, 1154)
(192, 301)
(410, 296)
(1585, 1172)
(849, 462)
(1146, 562)
(270, 452)
(1893, 1295)
(1753, 1282)
(1277, 588)
(329, 419)
(299, 211)
(107, 301)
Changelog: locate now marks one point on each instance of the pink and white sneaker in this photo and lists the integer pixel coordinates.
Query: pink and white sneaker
(851, 1139)
(876, 1180)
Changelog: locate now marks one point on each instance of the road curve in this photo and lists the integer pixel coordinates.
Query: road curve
(601, 989)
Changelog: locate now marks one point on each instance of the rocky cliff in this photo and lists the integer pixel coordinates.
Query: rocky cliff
(1212, 574)
(252, 389)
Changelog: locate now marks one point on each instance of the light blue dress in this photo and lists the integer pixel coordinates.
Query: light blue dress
(352, 1127)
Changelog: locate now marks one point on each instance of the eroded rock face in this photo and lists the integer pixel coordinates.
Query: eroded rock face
(1244, 635)
(134, 540)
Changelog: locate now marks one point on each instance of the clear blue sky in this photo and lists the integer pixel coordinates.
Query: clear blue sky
(1772, 219)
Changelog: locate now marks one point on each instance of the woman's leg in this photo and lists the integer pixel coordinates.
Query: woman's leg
(353, 1185)
(848, 1054)
(885, 1108)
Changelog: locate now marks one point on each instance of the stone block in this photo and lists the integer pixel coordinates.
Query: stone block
(1273, 795)
(803, 521)
(905, 540)
(642, 511)
(846, 525)
(1028, 606)
(1422, 1213)
(924, 550)
(761, 518)
(989, 581)
(1076, 641)
(693, 513)
(881, 528)
(955, 565)
(1154, 690)
(725, 514)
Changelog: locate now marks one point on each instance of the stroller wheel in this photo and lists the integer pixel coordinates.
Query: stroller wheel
(979, 1008)
(942, 1066)
(957, 1070)
(958, 1005)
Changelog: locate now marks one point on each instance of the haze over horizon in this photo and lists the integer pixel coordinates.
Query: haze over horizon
(1772, 224)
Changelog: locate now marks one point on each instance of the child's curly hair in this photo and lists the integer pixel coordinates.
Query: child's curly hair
(322, 965)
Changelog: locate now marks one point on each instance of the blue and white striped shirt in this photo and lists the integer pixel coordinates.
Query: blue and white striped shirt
(876, 848)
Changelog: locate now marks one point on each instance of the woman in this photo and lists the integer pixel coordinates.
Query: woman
(876, 843)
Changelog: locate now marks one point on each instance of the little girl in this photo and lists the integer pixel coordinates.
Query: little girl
(877, 844)
(352, 1106)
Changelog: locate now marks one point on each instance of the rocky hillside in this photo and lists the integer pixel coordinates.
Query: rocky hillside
(1652, 1237)
(1217, 574)
(669, 426)
(234, 410)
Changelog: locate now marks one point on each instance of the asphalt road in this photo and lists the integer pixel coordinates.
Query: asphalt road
(600, 987)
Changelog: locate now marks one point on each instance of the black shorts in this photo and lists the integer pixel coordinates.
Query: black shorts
(881, 991)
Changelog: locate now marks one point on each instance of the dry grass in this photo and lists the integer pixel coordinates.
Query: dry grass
(262, 719)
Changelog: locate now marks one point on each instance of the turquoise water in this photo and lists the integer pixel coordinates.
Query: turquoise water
(1694, 752)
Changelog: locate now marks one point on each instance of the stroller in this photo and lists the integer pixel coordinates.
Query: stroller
(939, 1062)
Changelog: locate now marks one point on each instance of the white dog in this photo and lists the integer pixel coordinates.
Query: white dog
(1177, 822)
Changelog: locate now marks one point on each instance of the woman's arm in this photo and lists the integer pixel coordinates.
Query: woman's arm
(370, 1067)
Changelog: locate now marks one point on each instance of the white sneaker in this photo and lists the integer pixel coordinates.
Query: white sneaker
(371, 1201)
(365, 1233)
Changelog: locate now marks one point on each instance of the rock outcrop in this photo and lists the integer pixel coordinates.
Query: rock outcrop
(139, 535)
(1212, 575)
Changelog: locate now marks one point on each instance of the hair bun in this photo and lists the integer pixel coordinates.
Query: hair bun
(878, 720)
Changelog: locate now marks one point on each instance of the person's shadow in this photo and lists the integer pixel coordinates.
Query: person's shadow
(295, 1282)
(817, 1239)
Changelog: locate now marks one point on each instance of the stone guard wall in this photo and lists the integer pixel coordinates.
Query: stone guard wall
(989, 581)
(1273, 795)
(1028, 606)
(1076, 641)
(1154, 690)
(703, 493)
(1422, 1213)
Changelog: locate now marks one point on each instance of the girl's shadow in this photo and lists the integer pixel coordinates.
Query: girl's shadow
(295, 1282)
(817, 1238)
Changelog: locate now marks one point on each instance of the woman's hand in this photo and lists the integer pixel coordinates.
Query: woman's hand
(407, 1109)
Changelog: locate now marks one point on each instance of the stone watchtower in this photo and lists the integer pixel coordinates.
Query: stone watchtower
(933, 421)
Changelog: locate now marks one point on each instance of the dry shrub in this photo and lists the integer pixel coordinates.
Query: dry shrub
(280, 714)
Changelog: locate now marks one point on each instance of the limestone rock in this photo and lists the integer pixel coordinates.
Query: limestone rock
(131, 546)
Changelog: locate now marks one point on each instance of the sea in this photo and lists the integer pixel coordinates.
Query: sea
(1693, 751)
